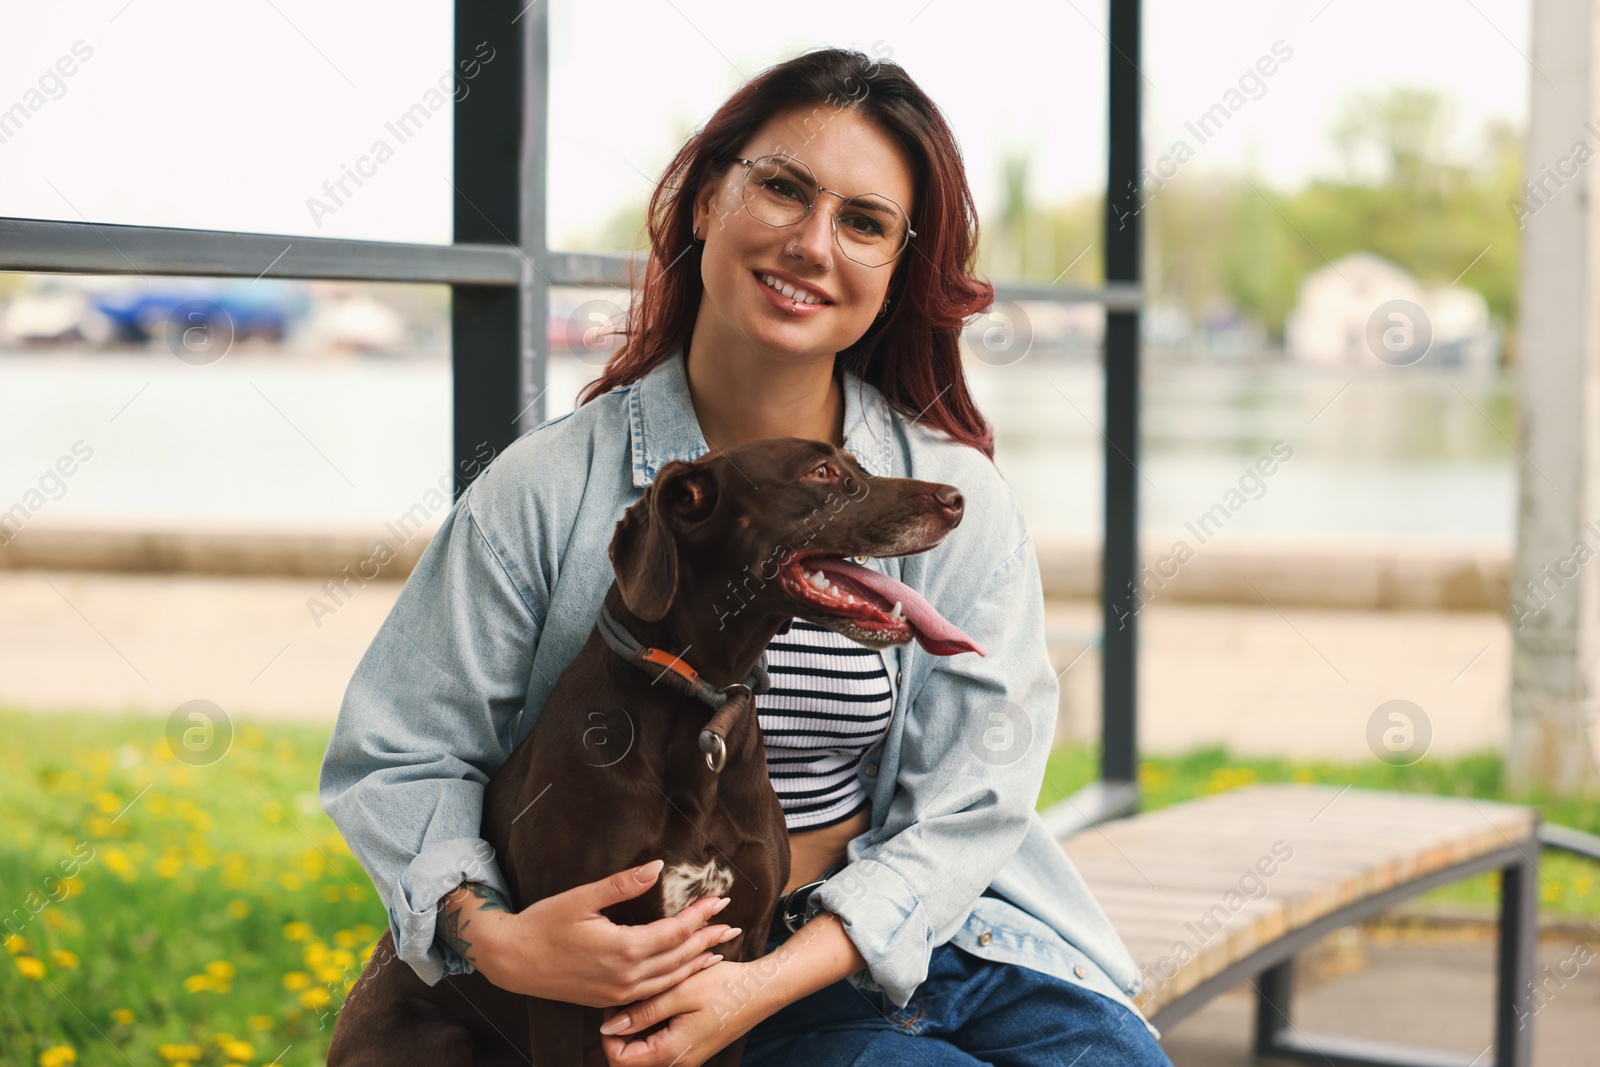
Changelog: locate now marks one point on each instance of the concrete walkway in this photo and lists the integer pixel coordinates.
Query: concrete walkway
(1301, 682)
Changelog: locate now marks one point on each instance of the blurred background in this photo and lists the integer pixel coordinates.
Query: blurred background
(196, 551)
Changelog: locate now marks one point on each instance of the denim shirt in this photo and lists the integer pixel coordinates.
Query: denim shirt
(506, 593)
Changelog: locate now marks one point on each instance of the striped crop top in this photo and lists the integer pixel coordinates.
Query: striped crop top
(830, 701)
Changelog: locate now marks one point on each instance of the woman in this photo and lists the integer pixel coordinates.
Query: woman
(811, 250)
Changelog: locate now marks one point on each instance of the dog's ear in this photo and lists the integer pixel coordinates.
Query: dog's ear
(644, 549)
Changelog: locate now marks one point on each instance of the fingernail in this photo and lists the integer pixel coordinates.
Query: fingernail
(616, 1025)
(713, 959)
(649, 870)
(733, 932)
(722, 902)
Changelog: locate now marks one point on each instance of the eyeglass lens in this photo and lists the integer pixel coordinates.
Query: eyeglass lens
(780, 192)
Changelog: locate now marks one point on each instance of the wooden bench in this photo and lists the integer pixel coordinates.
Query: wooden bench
(1225, 890)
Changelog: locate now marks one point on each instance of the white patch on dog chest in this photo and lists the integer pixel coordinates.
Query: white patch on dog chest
(684, 883)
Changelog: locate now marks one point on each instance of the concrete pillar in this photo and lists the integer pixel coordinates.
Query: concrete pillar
(1555, 608)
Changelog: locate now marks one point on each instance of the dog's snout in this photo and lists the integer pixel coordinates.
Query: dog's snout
(948, 497)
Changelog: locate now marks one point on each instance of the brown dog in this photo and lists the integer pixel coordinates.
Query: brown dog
(716, 558)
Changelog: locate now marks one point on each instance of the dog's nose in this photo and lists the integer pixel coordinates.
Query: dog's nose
(949, 498)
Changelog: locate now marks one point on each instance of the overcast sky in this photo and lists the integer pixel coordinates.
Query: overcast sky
(189, 113)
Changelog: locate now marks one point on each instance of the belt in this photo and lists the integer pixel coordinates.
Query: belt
(791, 910)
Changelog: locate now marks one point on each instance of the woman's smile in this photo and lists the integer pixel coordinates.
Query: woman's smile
(795, 305)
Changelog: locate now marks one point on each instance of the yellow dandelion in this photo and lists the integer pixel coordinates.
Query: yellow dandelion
(1552, 892)
(238, 908)
(260, 1022)
(239, 1050)
(177, 1052)
(345, 939)
(329, 974)
(296, 980)
(53, 919)
(290, 881)
(30, 967)
(16, 944)
(58, 1056)
(168, 866)
(73, 885)
(331, 894)
(62, 958)
(315, 997)
(122, 1016)
(197, 983)
(297, 931)
(221, 969)
(108, 803)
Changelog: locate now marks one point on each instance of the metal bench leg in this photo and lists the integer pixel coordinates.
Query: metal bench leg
(1277, 1038)
(1519, 943)
(1274, 987)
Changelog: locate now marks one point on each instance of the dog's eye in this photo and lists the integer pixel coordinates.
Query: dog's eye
(822, 470)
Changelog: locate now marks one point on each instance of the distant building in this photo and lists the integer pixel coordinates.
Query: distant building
(1328, 326)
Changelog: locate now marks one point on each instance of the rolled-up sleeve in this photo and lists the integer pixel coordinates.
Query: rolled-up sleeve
(424, 724)
(972, 760)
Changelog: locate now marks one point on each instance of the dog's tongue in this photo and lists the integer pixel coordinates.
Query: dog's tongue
(932, 630)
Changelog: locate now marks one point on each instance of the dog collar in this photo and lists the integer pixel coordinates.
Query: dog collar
(670, 668)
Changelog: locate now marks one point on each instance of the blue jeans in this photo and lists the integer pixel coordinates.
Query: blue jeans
(969, 1012)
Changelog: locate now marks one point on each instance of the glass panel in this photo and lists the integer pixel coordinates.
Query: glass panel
(294, 117)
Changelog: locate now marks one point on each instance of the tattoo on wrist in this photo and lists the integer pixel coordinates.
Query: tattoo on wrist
(453, 928)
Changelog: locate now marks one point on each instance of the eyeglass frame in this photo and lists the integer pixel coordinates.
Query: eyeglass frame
(744, 183)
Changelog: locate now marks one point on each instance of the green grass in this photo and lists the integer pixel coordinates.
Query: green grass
(179, 924)
(219, 905)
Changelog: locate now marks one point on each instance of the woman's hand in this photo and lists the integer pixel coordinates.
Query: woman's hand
(706, 1013)
(562, 948)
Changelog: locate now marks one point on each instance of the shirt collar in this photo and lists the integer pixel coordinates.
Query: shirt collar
(664, 427)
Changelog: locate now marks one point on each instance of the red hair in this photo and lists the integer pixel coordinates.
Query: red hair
(911, 354)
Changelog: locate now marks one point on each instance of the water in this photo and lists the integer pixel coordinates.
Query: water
(264, 440)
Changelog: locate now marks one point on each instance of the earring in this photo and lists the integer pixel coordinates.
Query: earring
(885, 309)
(696, 231)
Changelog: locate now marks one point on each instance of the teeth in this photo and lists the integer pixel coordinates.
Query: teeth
(788, 290)
(895, 613)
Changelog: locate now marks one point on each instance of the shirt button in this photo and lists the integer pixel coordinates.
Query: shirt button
(896, 677)
(985, 937)
(1081, 971)
(872, 770)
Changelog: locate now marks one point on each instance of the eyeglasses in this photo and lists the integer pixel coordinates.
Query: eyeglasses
(780, 191)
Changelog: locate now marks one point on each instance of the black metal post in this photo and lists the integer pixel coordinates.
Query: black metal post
(1274, 988)
(1519, 945)
(488, 331)
(1119, 759)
